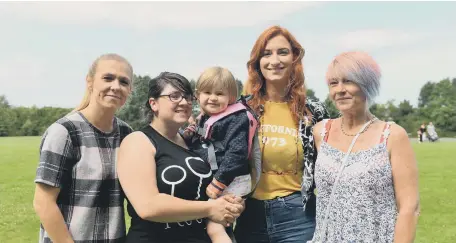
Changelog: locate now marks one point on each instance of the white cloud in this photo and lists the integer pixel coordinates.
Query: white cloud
(151, 15)
(369, 39)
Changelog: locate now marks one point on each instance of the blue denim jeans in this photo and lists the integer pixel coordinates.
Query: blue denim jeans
(280, 220)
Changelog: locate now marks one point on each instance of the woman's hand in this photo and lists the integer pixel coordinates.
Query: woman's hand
(225, 209)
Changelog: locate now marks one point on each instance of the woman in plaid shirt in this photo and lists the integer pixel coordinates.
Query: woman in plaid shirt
(78, 197)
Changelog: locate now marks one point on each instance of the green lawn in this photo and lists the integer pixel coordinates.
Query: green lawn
(19, 158)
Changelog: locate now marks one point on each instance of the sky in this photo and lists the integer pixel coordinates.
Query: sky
(46, 48)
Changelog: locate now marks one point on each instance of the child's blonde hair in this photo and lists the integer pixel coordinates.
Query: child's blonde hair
(220, 78)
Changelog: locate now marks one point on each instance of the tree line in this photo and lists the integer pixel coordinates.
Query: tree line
(436, 104)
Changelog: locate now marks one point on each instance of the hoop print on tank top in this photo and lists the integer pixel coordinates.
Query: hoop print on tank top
(201, 176)
(173, 184)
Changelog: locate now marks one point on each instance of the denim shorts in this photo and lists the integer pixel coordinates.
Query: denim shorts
(279, 220)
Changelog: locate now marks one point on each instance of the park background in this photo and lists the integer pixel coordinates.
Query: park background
(47, 49)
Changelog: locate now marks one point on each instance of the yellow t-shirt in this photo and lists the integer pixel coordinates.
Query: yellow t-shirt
(282, 153)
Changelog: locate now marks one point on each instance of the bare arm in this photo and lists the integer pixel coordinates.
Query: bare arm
(405, 179)
(137, 175)
(316, 134)
(217, 233)
(44, 203)
(55, 166)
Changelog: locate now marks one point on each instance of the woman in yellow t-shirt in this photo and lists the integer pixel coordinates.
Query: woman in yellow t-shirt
(282, 208)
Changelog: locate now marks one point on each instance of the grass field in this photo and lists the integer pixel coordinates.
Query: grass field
(19, 224)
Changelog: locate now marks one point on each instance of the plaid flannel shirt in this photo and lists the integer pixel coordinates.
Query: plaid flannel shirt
(80, 159)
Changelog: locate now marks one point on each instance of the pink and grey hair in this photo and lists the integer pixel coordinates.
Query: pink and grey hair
(360, 68)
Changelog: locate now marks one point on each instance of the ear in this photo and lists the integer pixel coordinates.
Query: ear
(153, 104)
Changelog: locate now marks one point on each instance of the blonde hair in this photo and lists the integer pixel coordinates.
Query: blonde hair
(93, 70)
(220, 78)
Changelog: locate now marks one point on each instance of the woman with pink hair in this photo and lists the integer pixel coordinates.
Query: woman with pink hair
(365, 173)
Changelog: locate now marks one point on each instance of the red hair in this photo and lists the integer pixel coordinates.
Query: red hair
(256, 84)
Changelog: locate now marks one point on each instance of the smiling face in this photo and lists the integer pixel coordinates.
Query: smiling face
(346, 94)
(354, 81)
(216, 89)
(172, 106)
(213, 101)
(277, 59)
(110, 84)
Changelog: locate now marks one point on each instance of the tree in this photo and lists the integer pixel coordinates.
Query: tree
(392, 112)
(5, 116)
(405, 116)
(405, 108)
(425, 94)
(134, 110)
(441, 107)
(332, 110)
(380, 111)
(437, 103)
(240, 86)
(4, 102)
(311, 94)
(195, 106)
(6, 121)
(29, 129)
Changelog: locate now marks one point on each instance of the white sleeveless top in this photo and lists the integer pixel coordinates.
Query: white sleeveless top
(364, 205)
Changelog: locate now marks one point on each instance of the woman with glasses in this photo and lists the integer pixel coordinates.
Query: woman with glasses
(164, 181)
(282, 208)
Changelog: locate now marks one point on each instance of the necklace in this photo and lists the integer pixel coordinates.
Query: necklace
(352, 135)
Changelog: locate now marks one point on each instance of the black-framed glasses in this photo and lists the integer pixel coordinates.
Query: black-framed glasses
(178, 96)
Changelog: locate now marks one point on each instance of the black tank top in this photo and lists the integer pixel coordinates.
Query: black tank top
(181, 173)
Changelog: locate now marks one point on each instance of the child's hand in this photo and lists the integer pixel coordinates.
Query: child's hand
(215, 189)
(189, 132)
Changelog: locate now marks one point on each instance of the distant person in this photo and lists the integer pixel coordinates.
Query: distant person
(366, 172)
(432, 134)
(422, 132)
(78, 197)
